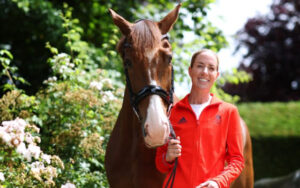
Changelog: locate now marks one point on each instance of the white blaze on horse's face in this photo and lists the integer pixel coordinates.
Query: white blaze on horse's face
(156, 124)
(150, 55)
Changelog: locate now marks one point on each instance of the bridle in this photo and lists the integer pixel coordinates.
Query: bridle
(136, 98)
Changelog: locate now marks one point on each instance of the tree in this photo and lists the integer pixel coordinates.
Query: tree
(272, 44)
(29, 24)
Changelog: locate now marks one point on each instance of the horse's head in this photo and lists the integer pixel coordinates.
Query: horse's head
(147, 55)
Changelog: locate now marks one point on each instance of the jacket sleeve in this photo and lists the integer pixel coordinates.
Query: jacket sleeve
(234, 156)
(160, 160)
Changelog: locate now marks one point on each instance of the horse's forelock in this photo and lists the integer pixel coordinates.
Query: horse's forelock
(145, 35)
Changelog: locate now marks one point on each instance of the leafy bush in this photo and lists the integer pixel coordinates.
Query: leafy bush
(75, 112)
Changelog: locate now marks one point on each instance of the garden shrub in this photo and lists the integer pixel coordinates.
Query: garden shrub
(75, 111)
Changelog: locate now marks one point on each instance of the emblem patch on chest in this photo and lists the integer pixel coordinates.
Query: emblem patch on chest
(182, 120)
(218, 119)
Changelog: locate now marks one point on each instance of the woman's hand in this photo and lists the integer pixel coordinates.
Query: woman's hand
(174, 149)
(208, 184)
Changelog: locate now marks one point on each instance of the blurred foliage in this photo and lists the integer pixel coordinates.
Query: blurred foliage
(270, 45)
(16, 104)
(32, 23)
(234, 77)
(27, 26)
(8, 72)
(272, 119)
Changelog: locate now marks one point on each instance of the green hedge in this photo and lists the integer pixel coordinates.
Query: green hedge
(275, 132)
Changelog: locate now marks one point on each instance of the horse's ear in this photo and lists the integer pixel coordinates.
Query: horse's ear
(166, 24)
(119, 21)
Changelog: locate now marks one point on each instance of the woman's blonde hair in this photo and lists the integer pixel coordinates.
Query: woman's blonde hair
(202, 51)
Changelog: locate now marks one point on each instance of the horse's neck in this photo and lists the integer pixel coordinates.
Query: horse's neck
(127, 120)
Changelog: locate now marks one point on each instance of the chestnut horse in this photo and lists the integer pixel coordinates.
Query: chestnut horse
(143, 122)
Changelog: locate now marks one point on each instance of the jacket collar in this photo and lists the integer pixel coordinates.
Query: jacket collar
(185, 101)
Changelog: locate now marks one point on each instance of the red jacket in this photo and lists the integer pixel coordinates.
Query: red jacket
(206, 143)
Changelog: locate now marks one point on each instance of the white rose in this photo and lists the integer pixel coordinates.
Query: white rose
(37, 166)
(62, 55)
(28, 138)
(21, 149)
(6, 138)
(21, 122)
(2, 132)
(110, 95)
(2, 178)
(46, 158)
(96, 85)
(34, 150)
(68, 185)
(5, 123)
(27, 155)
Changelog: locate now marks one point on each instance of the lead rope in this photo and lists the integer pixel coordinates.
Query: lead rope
(173, 135)
(173, 173)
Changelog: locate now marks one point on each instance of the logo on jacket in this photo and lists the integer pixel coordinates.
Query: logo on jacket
(182, 120)
(218, 119)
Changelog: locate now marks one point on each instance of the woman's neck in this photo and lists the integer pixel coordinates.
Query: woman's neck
(198, 97)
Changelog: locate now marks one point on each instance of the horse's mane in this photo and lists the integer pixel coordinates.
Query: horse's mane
(145, 35)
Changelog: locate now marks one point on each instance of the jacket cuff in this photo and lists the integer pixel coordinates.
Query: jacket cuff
(217, 181)
(166, 163)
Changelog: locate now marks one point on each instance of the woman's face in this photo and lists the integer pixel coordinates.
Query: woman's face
(204, 71)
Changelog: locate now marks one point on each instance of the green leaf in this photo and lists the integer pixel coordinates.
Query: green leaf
(6, 52)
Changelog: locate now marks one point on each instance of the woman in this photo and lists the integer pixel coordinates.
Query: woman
(208, 130)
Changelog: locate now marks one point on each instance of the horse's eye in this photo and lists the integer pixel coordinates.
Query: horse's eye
(127, 63)
(127, 45)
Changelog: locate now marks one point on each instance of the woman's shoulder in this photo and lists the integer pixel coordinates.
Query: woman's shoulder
(228, 106)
